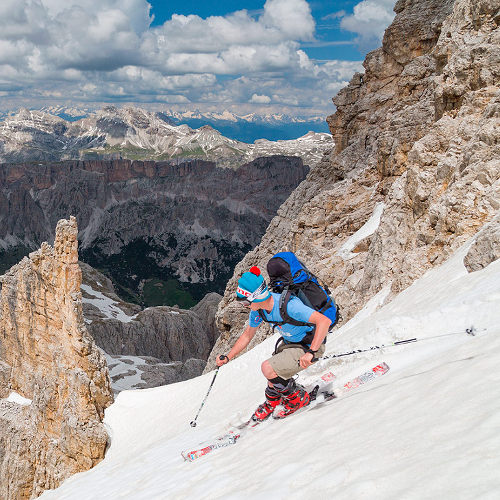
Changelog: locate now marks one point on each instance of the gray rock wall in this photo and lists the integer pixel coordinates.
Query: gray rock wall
(169, 334)
(139, 220)
(158, 345)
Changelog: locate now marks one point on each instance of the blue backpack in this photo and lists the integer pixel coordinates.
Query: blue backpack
(289, 277)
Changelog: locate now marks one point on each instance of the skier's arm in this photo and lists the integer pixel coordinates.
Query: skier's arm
(239, 345)
(322, 324)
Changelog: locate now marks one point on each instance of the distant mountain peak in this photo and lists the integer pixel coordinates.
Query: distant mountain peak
(134, 133)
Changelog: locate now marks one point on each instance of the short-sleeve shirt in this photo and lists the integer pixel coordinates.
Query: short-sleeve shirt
(296, 309)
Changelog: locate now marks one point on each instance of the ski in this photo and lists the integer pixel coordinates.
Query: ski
(375, 372)
(320, 394)
(221, 442)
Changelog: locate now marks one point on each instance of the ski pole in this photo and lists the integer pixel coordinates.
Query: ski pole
(193, 423)
(469, 331)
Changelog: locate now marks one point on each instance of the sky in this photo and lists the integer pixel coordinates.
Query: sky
(427, 429)
(273, 56)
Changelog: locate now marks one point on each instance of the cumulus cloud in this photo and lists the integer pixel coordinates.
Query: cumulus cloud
(97, 50)
(369, 21)
(291, 17)
(260, 99)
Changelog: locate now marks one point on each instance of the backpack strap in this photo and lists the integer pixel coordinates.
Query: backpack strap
(283, 306)
(284, 299)
(264, 318)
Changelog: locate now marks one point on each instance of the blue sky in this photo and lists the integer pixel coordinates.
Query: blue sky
(332, 41)
(263, 56)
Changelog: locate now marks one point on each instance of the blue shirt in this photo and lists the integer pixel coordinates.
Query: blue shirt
(295, 309)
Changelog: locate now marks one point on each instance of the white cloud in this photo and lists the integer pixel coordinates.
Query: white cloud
(260, 99)
(137, 11)
(334, 15)
(174, 99)
(340, 70)
(292, 18)
(369, 21)
(106, 49)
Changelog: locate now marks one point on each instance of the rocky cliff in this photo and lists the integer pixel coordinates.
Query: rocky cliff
(54, 382)
(416, 166)
(166, 233)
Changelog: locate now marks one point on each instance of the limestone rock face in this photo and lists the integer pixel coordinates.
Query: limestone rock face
(143, 372)
(418, 134)
(485, 249)
(48, 357)
(167, 333)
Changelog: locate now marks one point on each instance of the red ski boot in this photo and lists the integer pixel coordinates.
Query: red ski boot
(273, 399)
(294, 398)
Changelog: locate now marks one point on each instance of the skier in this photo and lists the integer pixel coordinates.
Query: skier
(297, 349)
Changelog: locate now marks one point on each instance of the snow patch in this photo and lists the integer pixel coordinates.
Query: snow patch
(14, 397)
(126, 371)
(369, 227)
(107, 306)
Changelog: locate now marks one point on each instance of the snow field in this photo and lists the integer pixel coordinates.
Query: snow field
(427, 429)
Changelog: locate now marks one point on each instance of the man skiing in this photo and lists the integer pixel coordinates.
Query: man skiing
(300, 345)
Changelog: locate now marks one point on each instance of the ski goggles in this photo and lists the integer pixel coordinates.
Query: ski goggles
(249, 297)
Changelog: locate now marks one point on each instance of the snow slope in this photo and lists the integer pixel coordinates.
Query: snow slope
(428, 429)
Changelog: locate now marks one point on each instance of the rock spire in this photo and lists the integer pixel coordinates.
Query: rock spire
(54, 382)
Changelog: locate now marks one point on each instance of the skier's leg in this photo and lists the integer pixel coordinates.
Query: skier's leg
(286, 362)
(294, 397)
(273, 398)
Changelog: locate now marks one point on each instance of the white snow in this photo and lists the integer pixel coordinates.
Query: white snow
(368, 228)
(124, 371)
(428, 429)
(106, 305)
(14, 397)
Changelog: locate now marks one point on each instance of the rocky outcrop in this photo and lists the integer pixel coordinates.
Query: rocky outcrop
(184, 226)
(205, 310)
(143, 372)
(100, 300)
(157, 346)
(50, 426)
(485, 249)
(166, 333)
(418, 135)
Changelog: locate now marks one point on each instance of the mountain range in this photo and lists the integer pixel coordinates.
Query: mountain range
(241, 128)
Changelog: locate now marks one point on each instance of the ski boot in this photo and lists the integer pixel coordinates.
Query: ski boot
(273, 399)
(294, 397)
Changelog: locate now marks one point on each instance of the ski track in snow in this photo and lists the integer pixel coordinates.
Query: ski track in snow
(427, 429)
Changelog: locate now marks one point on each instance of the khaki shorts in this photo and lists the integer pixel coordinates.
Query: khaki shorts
(286, 361)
